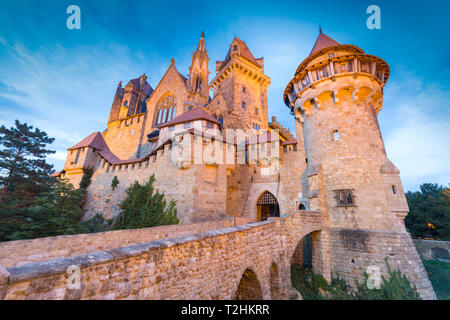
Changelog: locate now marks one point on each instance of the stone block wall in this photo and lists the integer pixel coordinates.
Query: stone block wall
(208, 265)
(20, 252)
(355, 250)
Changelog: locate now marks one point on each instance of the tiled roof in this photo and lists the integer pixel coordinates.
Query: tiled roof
(191, 115)
(244, 52)
(96, 141)
(323, 41)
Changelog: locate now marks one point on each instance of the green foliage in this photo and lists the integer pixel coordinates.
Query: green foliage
(115, 182)
(86, 179)
(439, 274)
(55, 212)
(144, 207)
(315, 287)
(429, 212)
(97, 224)
(24, 174)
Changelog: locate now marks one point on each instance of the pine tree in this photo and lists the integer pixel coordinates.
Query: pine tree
(144, 207)
(24, 173)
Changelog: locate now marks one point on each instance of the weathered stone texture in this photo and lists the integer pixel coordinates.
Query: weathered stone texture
(20, 252)
(208, 265)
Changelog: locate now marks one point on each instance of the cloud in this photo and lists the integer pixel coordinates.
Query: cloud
(67, 92)
(416, 129)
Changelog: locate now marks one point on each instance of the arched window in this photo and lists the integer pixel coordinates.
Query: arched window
(166, 109)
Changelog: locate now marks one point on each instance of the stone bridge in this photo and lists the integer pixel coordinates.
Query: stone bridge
(250, 261)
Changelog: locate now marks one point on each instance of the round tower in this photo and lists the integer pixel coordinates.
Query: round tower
(335, 96)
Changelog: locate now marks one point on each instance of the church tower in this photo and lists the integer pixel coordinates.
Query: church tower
(198, 74)
(240, 79)
(335, 96)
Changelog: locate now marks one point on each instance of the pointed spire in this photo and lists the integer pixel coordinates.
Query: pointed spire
(323, 41)
(201, 43)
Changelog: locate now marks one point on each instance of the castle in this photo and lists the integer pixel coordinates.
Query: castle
(220, 157)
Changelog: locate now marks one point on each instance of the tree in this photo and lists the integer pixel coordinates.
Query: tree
(143, 207)
(24, 172)
(429, 211)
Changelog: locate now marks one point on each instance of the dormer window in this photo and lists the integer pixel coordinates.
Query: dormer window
(235, 47)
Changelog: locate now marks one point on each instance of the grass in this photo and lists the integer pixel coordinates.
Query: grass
(439, 274)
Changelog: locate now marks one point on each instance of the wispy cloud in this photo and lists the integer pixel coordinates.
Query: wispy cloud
(66, 92)
(416, 129)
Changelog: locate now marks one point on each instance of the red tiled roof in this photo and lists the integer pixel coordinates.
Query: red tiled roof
(191, 115)
(244, 52)
(323, 41)
(94, 140)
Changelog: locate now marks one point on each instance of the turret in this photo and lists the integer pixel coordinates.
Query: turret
(240, 79)
(115, 108)
(198, 74)
(335, 96)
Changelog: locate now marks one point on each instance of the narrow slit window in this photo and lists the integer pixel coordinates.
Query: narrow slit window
(335, 135)
(394, 189)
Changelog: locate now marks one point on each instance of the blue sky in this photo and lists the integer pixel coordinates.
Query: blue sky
(63, 81)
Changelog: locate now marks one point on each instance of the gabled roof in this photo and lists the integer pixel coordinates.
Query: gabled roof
(94, 140)
(244, 51)
(323, 41)
(191, 115)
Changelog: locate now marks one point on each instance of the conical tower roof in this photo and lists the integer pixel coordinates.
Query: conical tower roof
(323, 41)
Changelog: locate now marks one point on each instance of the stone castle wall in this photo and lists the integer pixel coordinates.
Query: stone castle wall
(202, 266)
(355, 250)
(187, 187)
(20, 252)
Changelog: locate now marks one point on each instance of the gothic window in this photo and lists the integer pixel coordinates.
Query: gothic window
(243, 89)
(126, 103)
(344, 198)
(394, 189)
(166, 109)
(243, 105)
(235, 47)
(220, 119)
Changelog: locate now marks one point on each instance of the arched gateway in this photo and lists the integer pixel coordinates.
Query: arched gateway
(267, 206)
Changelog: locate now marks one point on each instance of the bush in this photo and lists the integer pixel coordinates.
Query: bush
(315, 287)
(144, 207)
(114, 183)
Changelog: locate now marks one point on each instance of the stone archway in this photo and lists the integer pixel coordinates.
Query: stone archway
(267, 206)
(275, 290)
(249, 287)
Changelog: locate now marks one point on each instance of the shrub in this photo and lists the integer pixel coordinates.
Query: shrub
(145, 207)
(315, 287)
(114, 183)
